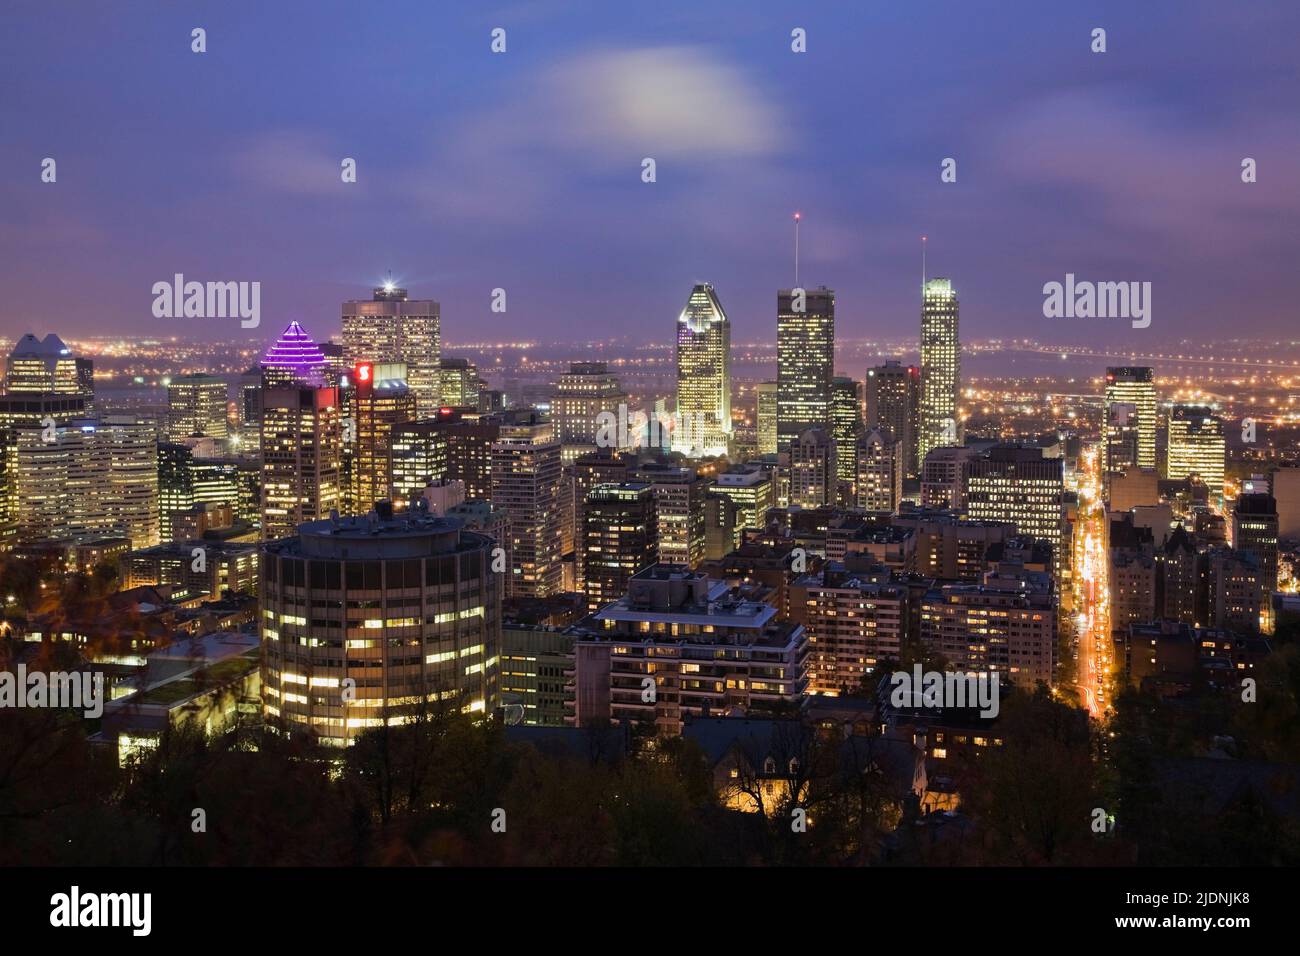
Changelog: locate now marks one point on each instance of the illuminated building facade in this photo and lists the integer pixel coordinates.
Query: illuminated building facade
(407, 607)
(378, 402)
(1132, 386)
(1019, 485)
(459, 383)
(619, 539)
(940, 366)
(846, 423)
(854, 622)
(526, 485)
(47, 365)
(196, 405)
(893, 393)
(805, 361)
(879, 477)
(753, 492)
(812, 469)
(765, 415)
(390, 327)
(703, 376)
(583, 392)
(1196, 446)
(679, 502)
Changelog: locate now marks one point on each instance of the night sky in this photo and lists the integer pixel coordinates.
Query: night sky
(523, 170)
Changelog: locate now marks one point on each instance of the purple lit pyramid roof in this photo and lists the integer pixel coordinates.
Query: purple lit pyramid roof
(297, 354)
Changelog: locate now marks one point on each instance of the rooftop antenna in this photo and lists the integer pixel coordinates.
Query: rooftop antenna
(797, 217)
(923, 238)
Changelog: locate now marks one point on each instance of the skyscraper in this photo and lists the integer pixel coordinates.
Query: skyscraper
(812, 469)
(526, 485)
(619, 539)
(391, 327)
(47, 365)
(679, 508)
(703, 376)
(940, 367)
(879, 466)
(1196, 446)
(846, 423)
(196, 405)
(342, 601)
(894, 403)
(805, 361)
(583, 392)
(459, 383)
(301, 437)
(765, 417)
(1018, 484)
(1132, 386)
(378, 402)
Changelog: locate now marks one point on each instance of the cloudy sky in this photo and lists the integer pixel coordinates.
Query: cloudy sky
(522, 170)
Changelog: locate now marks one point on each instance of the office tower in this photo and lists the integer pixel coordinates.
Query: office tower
(526, 485)
(1122, 439)
(894, 403)
(1255, 532)
(294, 359)
(679, 502)
(619, 539)
(846, 422)
(940, 367)
(301, 437)
(1134, 386)
(582, 395)
(450, 445)
(805, 361)
(378, 402)
(879, 478)
(1005, 624)
(88, 477)
(942, 474)
(753, 491)
(48, 366)
(1017, 484)
(1196, 446)
(248, 402)
(196, 405)
(403, 611)
(589, 470)
(703, 376)
(459, 383)
(393, 328)
(729, 650)
(854, 623)
(813, 469)
(765, 416)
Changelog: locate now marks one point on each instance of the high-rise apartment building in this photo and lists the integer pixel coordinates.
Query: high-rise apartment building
(805, 361)
(854, 622)
(196, 405)
(594, 468)
(703, 376)
(1255, 532)
(390, 327)
(405, 611)
(940, 367)
(526, 485)
(813, 471)
(449, 445)
(1132, 386)
(753, 491)
(679, 502)
(619, 539)
(879, 477)
(1196, 446)
(893, 393)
